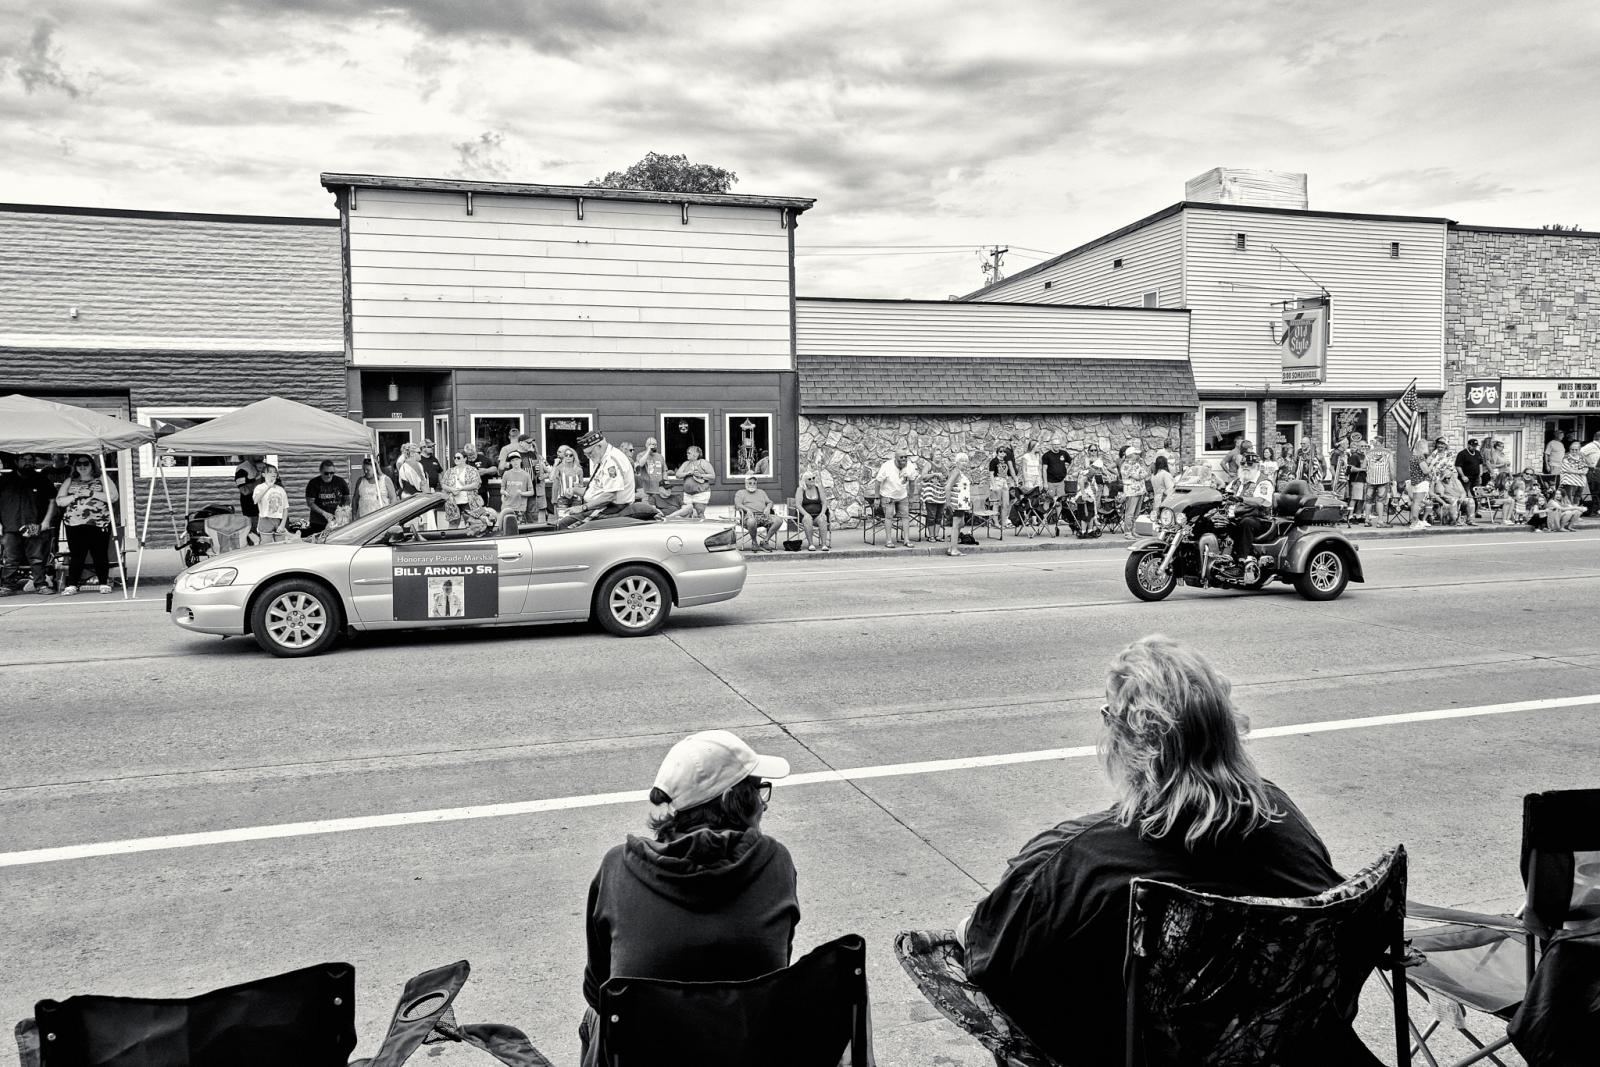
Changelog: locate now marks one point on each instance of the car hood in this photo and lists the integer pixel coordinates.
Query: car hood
(265, 558)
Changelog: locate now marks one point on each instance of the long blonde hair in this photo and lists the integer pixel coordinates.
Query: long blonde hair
(1174, 747)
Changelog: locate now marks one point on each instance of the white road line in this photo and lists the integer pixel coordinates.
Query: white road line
(32, 857)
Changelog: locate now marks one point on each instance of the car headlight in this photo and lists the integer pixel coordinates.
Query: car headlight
(210, 578)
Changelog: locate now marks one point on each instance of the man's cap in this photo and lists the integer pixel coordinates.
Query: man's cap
(590, 439)
(1472, 442)
(1440, 441)
(705, 765)
(522, 437)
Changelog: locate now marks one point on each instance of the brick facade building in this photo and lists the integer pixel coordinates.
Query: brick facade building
(171, 318)
(1522, 316)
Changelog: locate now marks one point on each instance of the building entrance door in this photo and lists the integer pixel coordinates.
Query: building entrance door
(392, 433)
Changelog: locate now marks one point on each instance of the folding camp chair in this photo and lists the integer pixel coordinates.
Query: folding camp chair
(228, 531)
(1213, 980)
(988, 515)
(871, 517)
(813, 1013)
(305, 1018)
(1494, 963)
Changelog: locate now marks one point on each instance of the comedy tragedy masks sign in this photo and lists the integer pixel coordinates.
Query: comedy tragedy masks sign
(431, 582)
(1305, 344)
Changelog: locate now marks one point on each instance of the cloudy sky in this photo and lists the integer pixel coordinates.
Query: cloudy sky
(945, 124)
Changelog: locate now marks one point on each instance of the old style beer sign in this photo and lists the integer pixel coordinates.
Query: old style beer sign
(1541, 395)
(432, 582)
(1305, 344)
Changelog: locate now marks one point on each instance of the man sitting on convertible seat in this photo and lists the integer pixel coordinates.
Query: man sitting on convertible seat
(610, 490)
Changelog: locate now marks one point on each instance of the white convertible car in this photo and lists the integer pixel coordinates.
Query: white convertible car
(400, 568)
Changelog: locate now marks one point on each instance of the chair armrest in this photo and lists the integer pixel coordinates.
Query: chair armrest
(1508, 924)
(936, 963)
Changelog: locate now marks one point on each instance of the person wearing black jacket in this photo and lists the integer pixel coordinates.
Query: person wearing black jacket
(27, 511)
(708, 897)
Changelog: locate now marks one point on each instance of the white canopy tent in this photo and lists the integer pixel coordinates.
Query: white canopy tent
(273, 425)
(28, 424)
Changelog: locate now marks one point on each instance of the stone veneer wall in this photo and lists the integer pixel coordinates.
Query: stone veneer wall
(1518, 305)
(852, 447)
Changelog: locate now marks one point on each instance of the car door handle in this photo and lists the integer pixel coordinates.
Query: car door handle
(514, 555)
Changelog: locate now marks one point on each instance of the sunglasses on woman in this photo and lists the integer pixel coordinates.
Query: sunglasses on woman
(764, 791)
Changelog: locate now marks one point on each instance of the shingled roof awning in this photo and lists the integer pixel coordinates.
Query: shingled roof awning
(913, 384)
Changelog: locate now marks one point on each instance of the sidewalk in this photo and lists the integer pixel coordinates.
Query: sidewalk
(848, 544)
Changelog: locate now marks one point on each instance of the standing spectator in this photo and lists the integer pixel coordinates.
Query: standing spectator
(1420, 491)
(1472, 465)
(60, 468)
(522, 445)
(696, 474)
(1308, 467)
(1031, 467)
(272, 503)
(246, 479)
(1494, 451)
(1232, 461)
(1057, 468)
(811, 504)
(1555, 452)
(516, 492)
(463, 481)
(1380, 478)
(1355, 477)
(1271, 469)
(86, 512)
(1162, 483)
(413, 473)
(650, 469)
(1190, 807)
(27, 509)
(710, 897)
(1439, 461)
(752, 509)
(373, 491)
(1164, 452)
(1133, 472)
(1002, 476)
(958, 499)
(432, 469)
(1591, 458)
(933, 503)
(1574, 475)
(894, 480)
(325, 495)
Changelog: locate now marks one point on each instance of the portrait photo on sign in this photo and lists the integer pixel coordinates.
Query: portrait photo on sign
(446, 599)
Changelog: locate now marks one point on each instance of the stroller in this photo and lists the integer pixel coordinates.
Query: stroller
(196, 544)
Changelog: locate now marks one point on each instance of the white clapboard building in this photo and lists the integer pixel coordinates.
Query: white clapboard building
(476, 311)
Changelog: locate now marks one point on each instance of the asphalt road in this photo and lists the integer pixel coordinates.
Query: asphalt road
(121, 728)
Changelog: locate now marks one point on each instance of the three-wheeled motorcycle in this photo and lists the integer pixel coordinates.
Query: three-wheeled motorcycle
(1194, 543)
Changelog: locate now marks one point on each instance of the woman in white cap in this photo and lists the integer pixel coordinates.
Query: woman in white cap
(710, 898)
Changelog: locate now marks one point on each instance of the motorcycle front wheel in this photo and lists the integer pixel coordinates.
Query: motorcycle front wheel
(1144, 577)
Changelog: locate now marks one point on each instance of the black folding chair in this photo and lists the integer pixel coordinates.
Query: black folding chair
(305, 1018)
(1213, 981)
(813, 1013)
(1496, 964)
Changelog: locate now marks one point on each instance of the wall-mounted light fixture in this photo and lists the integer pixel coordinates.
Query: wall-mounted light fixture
(394, 391)
(72, 312)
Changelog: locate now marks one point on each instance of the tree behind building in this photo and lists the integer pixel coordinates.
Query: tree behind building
(668, 174)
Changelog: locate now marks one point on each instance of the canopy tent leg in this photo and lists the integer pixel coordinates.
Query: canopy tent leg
(116, 527)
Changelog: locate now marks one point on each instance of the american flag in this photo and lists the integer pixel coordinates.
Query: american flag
(1405, 416)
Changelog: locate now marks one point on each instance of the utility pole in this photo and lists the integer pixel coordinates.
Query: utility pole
(992, 256)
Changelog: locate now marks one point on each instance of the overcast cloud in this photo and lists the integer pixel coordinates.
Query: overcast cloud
(934, 123)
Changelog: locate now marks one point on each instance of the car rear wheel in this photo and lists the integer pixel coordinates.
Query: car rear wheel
(296, 617)
(1326, 574)
(633, 601)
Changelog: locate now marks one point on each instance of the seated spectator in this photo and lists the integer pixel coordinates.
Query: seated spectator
(1561, 513)
(1499, 500)
(1191, 808)
(1521, 493)
(752, 509)
(1537, 511)
(811, 504)
(710, 898)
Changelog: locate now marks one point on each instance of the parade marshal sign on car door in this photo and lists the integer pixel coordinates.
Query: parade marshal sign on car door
(440, 582)
(1305, 344)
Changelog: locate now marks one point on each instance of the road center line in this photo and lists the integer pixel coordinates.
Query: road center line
(33, 857)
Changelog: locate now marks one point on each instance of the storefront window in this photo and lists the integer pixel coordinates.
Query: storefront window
(1223, 427)
(678, 432)
(491, 433)
(564, 429)
(171, 420)
(748, 441)
(1346, 420)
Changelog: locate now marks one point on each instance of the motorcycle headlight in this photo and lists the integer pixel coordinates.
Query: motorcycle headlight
(210, 578)
(1166, 517)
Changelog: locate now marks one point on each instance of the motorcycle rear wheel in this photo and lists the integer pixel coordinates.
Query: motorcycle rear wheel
(1143, 574)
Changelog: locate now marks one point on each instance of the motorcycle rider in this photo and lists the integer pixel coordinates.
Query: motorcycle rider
(1251, 516)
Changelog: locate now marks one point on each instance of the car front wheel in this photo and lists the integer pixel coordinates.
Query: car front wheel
(633, 601)
(296, 617)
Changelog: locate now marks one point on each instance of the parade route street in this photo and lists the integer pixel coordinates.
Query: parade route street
(943, 687)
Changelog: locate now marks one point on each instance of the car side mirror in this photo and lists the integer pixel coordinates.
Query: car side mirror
(394, 535)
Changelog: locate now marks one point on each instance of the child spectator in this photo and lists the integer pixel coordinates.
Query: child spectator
(1537, 516)
(933, 502)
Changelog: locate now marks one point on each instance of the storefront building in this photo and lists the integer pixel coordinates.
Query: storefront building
(1522, 351)
(1303, 324)
(476, 311)
(170, 319)
(934, 378)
